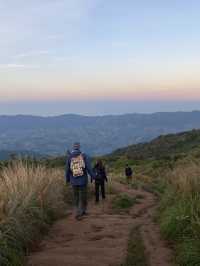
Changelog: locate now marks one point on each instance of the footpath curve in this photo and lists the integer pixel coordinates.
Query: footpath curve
(101, 238)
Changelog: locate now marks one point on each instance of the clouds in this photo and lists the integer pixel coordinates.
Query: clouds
(40, 33)
(49, 17)
(36, 24)
(17, 66)
(33, 54)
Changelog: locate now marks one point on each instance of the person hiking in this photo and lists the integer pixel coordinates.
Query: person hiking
(100, 178)
(128, 173)
(78, 167)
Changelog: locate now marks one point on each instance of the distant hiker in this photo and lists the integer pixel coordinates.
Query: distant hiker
(77, 169)
(128, 173)
(100, 178)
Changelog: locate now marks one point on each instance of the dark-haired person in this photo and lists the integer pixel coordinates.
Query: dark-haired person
(128, 173)
(78, 167)
(100, 178)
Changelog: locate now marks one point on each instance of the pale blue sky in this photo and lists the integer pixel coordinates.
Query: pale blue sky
(99, 50)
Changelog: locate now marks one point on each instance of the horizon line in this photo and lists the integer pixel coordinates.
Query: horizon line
(100, 115)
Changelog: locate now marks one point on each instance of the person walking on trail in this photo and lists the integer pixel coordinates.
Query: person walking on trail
(128, 173)
(100, 178)
(78, 167)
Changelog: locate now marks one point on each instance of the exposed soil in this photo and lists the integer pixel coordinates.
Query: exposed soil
(101, 238)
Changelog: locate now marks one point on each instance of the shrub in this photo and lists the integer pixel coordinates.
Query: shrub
(176, 221)
(123, 202)
(188, 252)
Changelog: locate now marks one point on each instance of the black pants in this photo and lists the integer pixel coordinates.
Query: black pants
(129, 178)
(80, 199)
(98, 185)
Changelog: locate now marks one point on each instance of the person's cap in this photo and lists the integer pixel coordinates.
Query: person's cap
(76, 146)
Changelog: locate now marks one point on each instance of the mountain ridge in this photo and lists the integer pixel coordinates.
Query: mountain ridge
(163, 146)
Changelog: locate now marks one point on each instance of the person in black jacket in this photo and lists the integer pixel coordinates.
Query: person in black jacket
(100, 178)
(128, 173)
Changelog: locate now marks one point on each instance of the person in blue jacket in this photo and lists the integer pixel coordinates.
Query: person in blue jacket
(78, 167)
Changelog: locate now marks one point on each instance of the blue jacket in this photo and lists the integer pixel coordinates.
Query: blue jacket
(80, 180)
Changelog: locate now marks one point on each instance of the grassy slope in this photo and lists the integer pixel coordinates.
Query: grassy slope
(173, 163)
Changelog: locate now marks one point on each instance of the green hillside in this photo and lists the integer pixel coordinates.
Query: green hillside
(161, 153)
(163, 146)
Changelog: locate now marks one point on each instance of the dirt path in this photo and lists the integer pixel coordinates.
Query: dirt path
(101, 238)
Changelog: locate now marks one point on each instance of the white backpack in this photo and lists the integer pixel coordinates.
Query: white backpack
(77, 165)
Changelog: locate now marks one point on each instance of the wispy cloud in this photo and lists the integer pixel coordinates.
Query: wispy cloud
(33, 53)
(17, 66)
(35, 25)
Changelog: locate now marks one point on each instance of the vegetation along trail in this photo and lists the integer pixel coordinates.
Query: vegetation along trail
(120, 231)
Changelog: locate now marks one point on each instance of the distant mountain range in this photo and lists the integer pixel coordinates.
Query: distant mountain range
(98, 135)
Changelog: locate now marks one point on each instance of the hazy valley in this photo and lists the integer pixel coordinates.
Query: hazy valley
(54, 135)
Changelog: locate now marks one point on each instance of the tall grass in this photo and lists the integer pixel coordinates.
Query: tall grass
(186, 179)
(31, 197)
(180, 212)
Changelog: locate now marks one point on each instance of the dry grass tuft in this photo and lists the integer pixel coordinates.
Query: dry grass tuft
(186, 179)
(31, 197)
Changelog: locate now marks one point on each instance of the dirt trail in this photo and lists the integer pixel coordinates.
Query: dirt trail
(101, 238)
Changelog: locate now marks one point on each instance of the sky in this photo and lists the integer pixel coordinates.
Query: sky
(99, 56)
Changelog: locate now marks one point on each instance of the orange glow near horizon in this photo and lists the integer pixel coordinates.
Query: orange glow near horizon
(115, 94)
(140, 84)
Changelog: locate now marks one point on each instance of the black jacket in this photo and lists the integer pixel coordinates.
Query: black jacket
(100, 174)
(128, 171)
